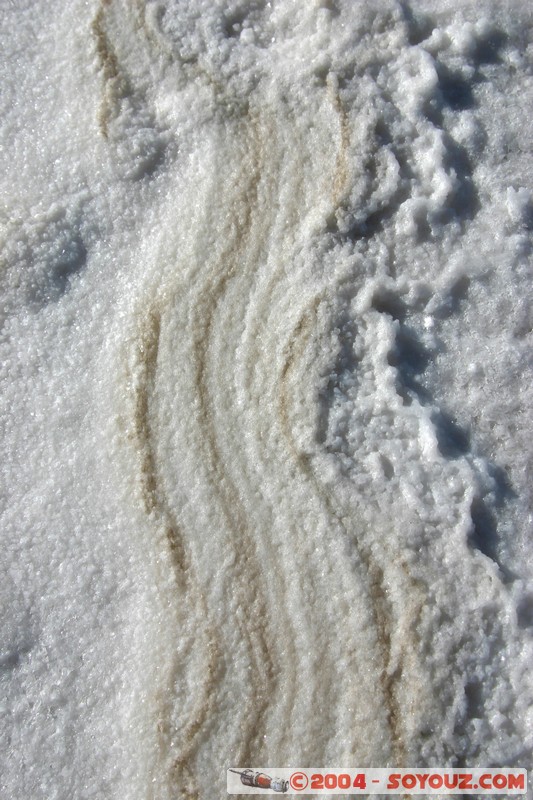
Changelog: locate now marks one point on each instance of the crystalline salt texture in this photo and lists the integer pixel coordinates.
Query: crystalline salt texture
(266, 404)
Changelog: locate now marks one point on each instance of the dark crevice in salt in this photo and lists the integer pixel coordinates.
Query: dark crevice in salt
(452, 439)
(419, 26)
(345, 365)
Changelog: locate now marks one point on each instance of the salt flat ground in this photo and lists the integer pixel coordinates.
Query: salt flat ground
(266, 390)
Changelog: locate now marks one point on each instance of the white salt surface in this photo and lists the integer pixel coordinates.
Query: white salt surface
(266, 390)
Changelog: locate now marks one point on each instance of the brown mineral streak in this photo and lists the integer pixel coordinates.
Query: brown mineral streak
(158, 510)
(340, 179)
(114, 83)
(382, 612)
(250, 579)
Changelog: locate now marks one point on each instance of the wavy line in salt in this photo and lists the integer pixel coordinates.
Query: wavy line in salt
(115, 86)
(294, 348)
(114, 82)
(157, 509)
(393, 671)
(251, 587)
(224, 408)
(340, 177)
(156, 506)
(298, 192)
(201, 352)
